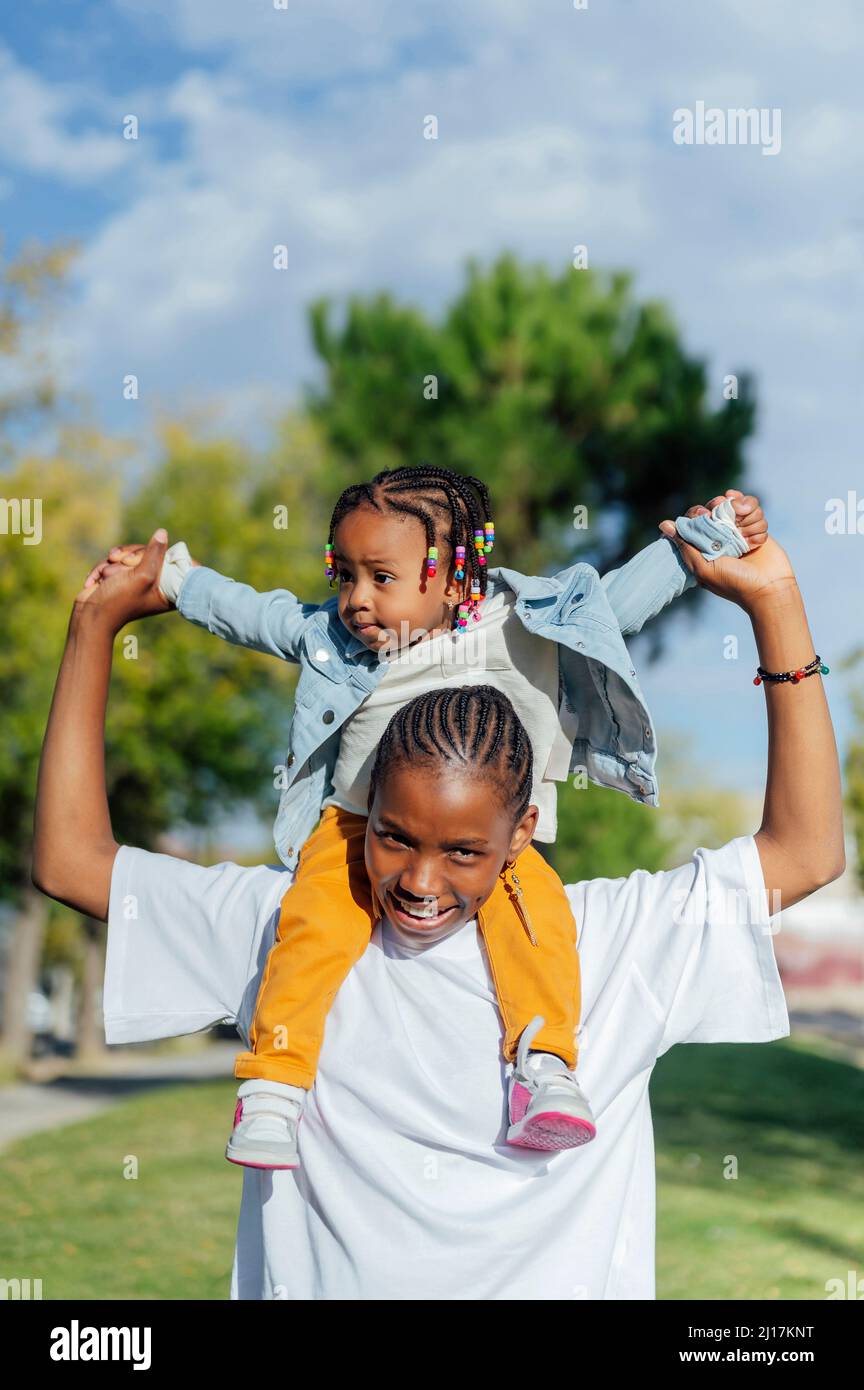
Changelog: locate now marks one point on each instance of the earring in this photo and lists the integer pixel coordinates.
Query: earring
(377, 909)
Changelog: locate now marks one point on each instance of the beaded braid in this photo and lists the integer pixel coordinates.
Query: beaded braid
(471, 726)
(466, 505)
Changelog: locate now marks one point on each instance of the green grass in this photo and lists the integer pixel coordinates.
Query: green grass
(794, 1217)
(69, 1216)
(793, 1117)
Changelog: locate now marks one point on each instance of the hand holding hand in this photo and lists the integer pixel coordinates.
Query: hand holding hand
(127, 588)
(746, 581)
(120, 557)
(749, 517)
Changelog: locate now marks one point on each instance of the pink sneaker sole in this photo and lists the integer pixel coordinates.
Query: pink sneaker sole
(554, 1131)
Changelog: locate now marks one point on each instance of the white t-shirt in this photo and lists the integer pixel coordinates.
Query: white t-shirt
(497, 650)
(407, 1189)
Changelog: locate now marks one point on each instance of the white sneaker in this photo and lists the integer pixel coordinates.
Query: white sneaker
(266, 1119)
(548, 1108)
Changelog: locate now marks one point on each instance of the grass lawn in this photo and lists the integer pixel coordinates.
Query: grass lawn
(69, 1216)
(792, 1115)
(793, 1217)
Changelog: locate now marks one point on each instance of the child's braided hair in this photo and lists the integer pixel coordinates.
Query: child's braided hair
(452, 506)
(470, 726)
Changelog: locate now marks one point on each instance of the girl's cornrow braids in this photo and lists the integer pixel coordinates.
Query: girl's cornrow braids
(416, 481)
(471, 525)
(475, 725)
(458, 488)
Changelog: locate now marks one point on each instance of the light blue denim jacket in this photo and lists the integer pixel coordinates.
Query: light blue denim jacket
(602, 708)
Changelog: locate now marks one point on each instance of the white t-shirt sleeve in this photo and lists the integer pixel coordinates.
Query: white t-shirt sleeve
(186, 944)
(697, 940)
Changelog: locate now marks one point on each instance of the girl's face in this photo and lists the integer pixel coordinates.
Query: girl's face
(436, 841)
(385, 596)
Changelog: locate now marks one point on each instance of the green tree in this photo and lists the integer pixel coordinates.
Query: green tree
(197, 724)
(558, 391)
(604, 834)
(194, 725)
(37, 583)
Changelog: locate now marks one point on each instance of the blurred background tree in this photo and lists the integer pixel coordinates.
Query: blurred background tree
(605, 834)
(195, 726)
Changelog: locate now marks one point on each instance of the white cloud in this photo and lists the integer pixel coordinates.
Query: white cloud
(32, 133)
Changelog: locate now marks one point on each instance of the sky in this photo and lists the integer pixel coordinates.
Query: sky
(303, 125)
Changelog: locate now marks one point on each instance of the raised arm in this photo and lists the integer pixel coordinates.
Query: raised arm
(273, 622)
(657, 575)
(800, 840)
(642, 588)
(73, 843)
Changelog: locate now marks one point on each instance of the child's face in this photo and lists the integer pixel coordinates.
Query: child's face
(436, 841)
(385, 596)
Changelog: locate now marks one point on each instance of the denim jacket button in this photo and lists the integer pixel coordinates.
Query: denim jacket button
(580, 644)
(328, 716)
(716, 545)
(290, 759)
(632, 670)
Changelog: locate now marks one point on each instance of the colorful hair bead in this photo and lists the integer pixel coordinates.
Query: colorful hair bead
(462, 616)
(432, 561)
(460, 562)
(329, 567)
(476, 600)
(490, 536)
(479, 546)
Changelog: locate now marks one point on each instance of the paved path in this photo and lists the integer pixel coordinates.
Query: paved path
(27, 1108)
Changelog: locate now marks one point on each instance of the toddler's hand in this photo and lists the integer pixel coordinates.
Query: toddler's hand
(749, 517)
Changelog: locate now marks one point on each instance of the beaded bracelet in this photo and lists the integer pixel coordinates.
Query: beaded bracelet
(794, 676)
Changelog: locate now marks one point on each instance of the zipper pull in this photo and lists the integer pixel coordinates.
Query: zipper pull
(522, 909)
